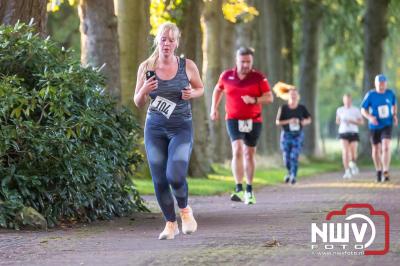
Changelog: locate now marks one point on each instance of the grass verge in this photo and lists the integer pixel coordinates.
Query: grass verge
(222, 180)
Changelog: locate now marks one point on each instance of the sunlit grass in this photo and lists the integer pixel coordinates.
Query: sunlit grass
(222, 180)
(269, 171)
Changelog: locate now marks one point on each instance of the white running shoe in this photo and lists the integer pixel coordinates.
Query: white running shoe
(347, 174)
(189, 224)
(354, 168)
(170, 231)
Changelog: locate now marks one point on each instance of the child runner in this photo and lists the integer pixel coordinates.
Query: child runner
(292, 117)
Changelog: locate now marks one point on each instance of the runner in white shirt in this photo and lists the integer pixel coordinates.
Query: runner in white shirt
(348, 118)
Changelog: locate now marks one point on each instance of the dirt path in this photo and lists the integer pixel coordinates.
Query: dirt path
(229, 233)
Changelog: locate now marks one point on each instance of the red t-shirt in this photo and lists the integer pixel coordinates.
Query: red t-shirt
(254, 84)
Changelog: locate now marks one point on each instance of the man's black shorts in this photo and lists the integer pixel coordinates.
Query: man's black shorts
(250, 138)
(376, 135)
(349, 136)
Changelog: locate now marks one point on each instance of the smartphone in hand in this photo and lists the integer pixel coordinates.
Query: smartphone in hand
(150, 74)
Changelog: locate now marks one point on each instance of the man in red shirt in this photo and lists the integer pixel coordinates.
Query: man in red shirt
(246, 90)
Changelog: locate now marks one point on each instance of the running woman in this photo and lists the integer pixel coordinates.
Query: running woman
(348, 117)
(380, 108)
(246, 90)
(170, 82)
(292, 117)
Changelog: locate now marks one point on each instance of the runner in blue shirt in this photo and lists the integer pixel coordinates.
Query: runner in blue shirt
(379, 107)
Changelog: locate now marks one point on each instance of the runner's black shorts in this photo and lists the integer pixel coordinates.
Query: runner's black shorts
(250, 139)
(350, 136)
(377, 135)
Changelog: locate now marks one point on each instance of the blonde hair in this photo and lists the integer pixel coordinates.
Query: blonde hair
(151, 62)
(282, 90)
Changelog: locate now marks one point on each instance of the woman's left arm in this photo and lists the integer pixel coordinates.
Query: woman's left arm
(197, 88)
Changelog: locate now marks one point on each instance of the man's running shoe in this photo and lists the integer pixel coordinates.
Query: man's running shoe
(237, 196)
(249, 198)
(293, 180)
(379, 177)
(386, 176)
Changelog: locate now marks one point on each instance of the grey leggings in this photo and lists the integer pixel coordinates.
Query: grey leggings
(168, 146)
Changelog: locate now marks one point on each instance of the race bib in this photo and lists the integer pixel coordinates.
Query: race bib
(246, 126)
(164, 106)
(383, 111)
(294, 126)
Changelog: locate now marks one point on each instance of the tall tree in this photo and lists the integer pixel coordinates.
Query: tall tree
(273, 57)
(99, 41)
(311, 26)
(244, 34)
(219, 54)
(63, 27)
(260, 63)
(375, 33)
(190, 47)
(24, 10)
(287, 20)
(228, 55)
(212, 68)
(228, 40)
(273, 42)
(133, 33)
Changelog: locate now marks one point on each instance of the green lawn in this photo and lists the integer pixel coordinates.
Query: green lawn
(222, 181)
(267, 174)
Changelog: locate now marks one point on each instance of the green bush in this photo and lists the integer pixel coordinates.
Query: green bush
(66, 150)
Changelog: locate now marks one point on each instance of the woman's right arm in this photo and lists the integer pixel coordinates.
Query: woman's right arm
(143, 87)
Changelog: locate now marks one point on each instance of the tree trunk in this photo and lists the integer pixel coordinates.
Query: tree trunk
(244, 31)
(375, 33)
(212, 68)
(244, 34)
(133, 32)
(228, 54)
(312, 15)
(273, 38)
(287, 49)
(99, 41)
(190, 45)
(24, 10)
(260, 63)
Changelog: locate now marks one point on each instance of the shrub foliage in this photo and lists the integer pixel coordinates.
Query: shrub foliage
(66, 149)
